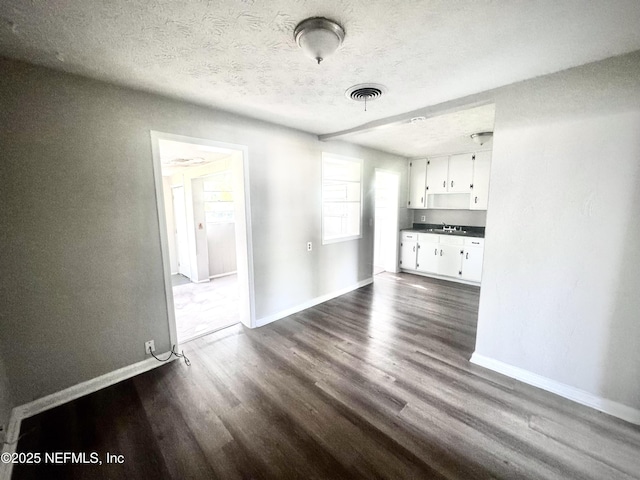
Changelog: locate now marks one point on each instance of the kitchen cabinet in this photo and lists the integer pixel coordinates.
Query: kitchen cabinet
(447, 256)
(428, 248)
(417, 183)
(480, 191)
(450, 261)
(452, 174)
(408, 250)
(437, 174)
(460, 174)
(472, 256)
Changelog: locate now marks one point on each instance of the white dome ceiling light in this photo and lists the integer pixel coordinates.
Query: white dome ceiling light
(482, 137)
(318, 37)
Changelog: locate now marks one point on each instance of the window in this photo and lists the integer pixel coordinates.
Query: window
(341, 198)
(218, 198)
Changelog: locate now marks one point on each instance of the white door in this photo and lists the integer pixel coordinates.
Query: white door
(480, 191)
(460, 173)
(180, 216)
(437, 168)
(385, 244)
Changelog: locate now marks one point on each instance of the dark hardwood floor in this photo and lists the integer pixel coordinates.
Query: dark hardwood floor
(374, 384)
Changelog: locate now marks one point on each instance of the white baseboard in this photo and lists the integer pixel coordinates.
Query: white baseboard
(48, 402)
(441, 277)
(311, 303)
(220, 275)
(605, 405)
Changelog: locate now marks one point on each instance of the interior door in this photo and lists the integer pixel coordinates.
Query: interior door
(180, 216)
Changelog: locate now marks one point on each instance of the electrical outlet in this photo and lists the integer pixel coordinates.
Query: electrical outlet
(309, 246)
(423, 218)
(149, 345)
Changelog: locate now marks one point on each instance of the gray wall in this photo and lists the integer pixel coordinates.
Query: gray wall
(476, 218)
(6, 400)
(82, 274)
(561, 271)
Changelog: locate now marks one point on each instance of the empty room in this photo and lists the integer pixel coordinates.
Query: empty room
(339, 239)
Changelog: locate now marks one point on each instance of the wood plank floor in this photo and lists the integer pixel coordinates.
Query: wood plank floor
(373, 384)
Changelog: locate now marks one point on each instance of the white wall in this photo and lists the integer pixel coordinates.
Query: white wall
(83, 273)
(561, 270)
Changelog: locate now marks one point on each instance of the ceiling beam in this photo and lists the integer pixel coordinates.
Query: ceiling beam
(463, 103)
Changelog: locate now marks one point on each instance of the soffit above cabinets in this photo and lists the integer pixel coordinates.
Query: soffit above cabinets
(241, 56)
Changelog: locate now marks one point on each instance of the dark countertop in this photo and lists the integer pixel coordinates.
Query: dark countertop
(463, 231)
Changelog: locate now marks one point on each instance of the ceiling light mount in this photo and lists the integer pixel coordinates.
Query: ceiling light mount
(482, 137)
(318, 37)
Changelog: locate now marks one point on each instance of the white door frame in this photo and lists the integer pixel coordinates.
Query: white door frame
(244, 245)
(391, 260)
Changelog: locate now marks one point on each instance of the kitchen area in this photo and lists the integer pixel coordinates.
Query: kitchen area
(448, 198)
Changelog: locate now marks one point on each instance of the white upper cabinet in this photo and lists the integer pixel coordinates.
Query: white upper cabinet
(437, 174)
(460, 173)
(417, 182)
(480, 191)
(464, 175)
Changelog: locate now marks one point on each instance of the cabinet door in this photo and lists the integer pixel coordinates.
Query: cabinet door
(460, 173)
(428, 254)
(450, 260)
(417, 182)
(472, 263)
(408, 254)
(480, 191)
(437, 170)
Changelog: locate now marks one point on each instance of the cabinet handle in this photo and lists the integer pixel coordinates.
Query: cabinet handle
(467, 255)
(471, 186)
(476, 199)
(435, 252)
(440, 252)
(451, 183)
(414, 248)
(459, 272)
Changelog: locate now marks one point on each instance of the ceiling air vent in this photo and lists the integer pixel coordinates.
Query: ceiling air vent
(365, 92)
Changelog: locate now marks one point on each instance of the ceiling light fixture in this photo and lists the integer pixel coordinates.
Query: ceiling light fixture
(481, 137)
(318, 37)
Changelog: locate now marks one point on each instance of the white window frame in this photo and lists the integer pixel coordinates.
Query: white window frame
(333, 157)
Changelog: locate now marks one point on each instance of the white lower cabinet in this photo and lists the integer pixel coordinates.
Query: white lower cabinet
(428, 248)
(472, 255)
(443, 255)
(408, 250)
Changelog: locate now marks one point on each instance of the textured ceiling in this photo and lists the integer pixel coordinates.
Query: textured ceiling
(241, 56)
(448, 133)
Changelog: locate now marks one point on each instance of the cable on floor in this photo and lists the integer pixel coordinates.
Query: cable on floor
(171, 354)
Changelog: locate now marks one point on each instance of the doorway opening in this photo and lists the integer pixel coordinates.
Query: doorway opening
(385, 245)
(203, 213)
